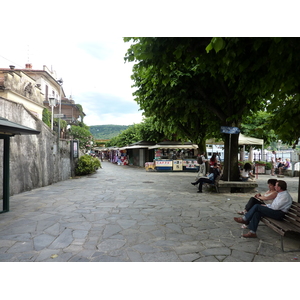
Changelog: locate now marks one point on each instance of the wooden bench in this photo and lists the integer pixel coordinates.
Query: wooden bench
(290, 224)
(215, 184)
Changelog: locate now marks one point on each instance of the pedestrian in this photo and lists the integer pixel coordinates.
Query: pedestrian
(273, 162)
(276, 210)
(201, 161)
(215, 172)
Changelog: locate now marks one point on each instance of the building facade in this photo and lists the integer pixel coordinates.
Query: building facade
(33, 88)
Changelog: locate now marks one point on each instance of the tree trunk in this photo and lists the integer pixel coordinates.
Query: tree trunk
(231, 170)
(202, 147)
(299, 188)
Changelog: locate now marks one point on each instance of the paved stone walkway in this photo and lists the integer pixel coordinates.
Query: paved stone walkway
(124, 213)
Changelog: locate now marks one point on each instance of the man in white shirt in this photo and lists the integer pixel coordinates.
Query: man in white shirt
(276, 210)
(273, 161)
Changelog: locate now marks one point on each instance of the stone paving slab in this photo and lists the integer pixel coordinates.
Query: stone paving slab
(125, 214)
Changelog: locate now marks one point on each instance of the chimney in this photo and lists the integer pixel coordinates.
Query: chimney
(28, 66)
(12, 67)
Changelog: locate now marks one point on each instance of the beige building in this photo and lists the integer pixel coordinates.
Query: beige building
(69, 110)
(33, 88)
(29, 87)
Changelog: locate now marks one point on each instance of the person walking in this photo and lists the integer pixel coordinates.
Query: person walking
(273, 162)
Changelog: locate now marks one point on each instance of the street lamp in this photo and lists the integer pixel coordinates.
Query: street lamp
(60, 82)
(52, 103)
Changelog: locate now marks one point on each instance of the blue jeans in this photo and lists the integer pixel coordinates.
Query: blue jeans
(257, 211)
(252, 201)
(201, 181)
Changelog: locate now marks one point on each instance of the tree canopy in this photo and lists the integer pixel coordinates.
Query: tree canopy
(145, 131)
(211, 82)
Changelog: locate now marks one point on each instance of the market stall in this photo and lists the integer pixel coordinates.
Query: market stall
(175, 156)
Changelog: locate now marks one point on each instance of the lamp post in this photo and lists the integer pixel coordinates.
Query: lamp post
(60, 82)
(52, 103)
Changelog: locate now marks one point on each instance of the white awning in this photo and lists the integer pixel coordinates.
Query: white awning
(134, 147)
(246, 140)
(243, 140)
(192, 146)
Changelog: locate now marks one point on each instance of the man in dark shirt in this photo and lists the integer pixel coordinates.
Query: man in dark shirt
(214, 173)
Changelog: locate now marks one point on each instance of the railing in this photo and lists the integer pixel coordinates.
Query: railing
(267, 157)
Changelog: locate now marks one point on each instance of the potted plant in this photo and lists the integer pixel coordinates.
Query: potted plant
(268, 168)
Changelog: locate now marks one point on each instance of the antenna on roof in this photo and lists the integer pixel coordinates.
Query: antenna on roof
(28, 53)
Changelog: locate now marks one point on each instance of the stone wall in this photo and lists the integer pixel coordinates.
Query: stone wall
(35, 160)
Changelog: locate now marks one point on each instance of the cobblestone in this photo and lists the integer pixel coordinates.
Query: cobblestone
(125, 214)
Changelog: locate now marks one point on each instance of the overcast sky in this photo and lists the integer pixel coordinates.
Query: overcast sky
(82, 42)
(93, 72)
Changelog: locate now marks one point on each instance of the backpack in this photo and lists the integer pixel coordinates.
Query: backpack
(199, 160)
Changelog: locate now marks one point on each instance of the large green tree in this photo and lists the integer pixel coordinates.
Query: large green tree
(178, 77)
(83, 134)
(144, 131)
(258, 125)
(285, 118)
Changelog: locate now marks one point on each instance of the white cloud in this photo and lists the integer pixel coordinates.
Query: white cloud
(93, 71)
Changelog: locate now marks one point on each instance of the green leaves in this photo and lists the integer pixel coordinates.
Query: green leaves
(217, 44)
(84, 136)
(87, 165)
(186, 85)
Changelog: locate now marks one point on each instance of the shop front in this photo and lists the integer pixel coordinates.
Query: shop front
(175, 156)
(138, 153)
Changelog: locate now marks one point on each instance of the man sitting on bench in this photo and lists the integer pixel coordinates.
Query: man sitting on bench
(276, 210)
(214, 173)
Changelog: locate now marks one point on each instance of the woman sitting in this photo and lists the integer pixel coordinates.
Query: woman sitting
(213, 160)
(286, 165)
(269, 195)
(246, 172)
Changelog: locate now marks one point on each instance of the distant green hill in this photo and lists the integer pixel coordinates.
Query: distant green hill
(107, 131)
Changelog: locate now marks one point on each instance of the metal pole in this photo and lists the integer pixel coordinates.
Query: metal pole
(229, 157)
(51, 117)
(59, 114)
(6, 175)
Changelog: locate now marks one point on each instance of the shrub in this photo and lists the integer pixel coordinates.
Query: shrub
(269, 165)
(260, 163)
(46, 117)
(87, 165)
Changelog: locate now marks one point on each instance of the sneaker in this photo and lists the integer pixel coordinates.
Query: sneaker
(199, 192)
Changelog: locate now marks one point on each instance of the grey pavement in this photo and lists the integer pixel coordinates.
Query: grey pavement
(125, 214)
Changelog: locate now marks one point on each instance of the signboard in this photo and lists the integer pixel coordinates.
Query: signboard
(75, 149)
(177, 165)
(190, 164)
(163, 163)
(230, 130)
(58, 115)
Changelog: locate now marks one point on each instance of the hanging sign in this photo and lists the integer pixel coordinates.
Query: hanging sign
(230, 130)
